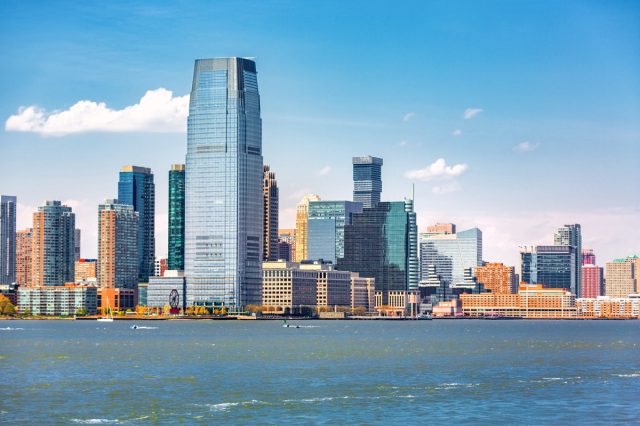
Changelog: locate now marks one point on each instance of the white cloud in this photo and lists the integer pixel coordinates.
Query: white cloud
(446, 188)
(158, 111)
(324, 171)
(456, 132)
(408, 116)
(526, 146)
(471, 112)
(437, 171)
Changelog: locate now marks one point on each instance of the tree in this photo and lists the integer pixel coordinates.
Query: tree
(166, 309)
(81, 312)
(6, 307)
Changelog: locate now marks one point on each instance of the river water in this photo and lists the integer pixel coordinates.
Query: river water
(326, 372)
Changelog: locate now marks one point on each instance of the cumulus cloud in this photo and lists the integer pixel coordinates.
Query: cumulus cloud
(408, 116)
(157, 111)
(324, 171)
(446, 188)
(526, 146)
(456, 132)
(438, 170)
(471, 112)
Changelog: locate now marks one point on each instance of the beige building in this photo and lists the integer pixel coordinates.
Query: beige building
(607, 307)
(85, 270)
(23, 257)
(620, 277)
(302, 227)
(496, 277)
(363, 292)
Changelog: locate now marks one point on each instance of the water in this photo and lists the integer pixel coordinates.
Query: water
(236, 372)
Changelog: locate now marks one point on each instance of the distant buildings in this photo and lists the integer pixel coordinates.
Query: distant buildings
(571, 235)
(302, 227)
(550, 266)
(286, 244)
(621, 277)
(497, 277)
(64, 300)
(367, 180)
(326, 222)
(136, 188)
(53, 245)
(23, 257)
(7, 239)
(77, 240)
(608, 307)
(270, 215)
(175, 259)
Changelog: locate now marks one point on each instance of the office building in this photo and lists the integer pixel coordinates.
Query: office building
(285, 251)
(270, 215)
(7, 239)
(66, 300)
(86, 269)
(53, 245)
(367, 180)
(287, 236)
(23, 257)
(497, 277)
(412, 249)
(363, 292)
(571, 235)
(302, 227)
(326, 222)
(550, 266)
(117, 245)
(175, 259)
(621, 278)
(77, 240)
(592, 284)
(136, 188)
(223, 238)
(161, 291)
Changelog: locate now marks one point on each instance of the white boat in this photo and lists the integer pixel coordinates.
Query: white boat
(286, 325)
(109, 316)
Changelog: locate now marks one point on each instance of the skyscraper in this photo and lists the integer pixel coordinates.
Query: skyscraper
(551, 266)
(7, 239)
(621, 277)
(571, 235)
(497, 277)
(367, 180)
(23, 257)
(77, 243)
(52, 245)
(270, 215)
(302, 227)
(412, 242)
(223, 238)
(326, 223)
(136, 188)
(591, 281)
(117, 245)
(175, 260)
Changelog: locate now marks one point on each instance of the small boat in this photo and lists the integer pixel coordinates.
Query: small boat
(134, 327)
(425, 317)
(109, 316)
(286, 325)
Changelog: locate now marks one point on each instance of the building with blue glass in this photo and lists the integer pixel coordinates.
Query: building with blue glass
(7, 239)
(327, 220)
(367, 180)
(136, 188)
(224, 198)
(175, 258)
(551, 266)
(571, 235)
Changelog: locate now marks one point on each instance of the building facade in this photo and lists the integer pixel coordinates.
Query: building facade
(270, 198)
(620, 278)
(588, 257)
(367, 180)
(64, 300)
(78, 243)
(551, 266)
(223, 236)
(86, 269)
(175, 249)
(160, 266)
(52, 245)
(497, 277)
(118, 259)
(592, 284)
(161, 290)
(7, 239)
(302, 227)
(136, 188)
(287, 236)
(326, 223)
(23, 257)
(571, 235)
(363, 291)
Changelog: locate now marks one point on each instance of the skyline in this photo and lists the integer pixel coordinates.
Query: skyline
(481, 116)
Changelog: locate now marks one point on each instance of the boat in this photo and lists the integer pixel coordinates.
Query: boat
(109, 316)
(134, 327)
(287, 325)
(425, 317)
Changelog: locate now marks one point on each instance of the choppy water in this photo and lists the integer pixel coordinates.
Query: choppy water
(236, 372)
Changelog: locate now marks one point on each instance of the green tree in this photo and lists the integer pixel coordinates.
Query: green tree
(6, 307)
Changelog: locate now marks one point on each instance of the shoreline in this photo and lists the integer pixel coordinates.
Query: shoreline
(359, 318)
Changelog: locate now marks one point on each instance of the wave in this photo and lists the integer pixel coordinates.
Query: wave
(628, 375)
(95, 421)
(11, 328)
(143, 327)
(226, 406)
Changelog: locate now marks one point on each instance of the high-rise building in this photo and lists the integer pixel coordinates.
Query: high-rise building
(175, 259)
(592, 285)
(23, 257)
(7, 239)
(412, 241)
(136, 188)
(621, 277)
(588, 258)
(497, 277)
(287, 236)
(550, 266)
(270, 215)
(302, 227)
(326, 223)
(223, 239)
(77, 242)
(117, 245)
(367, 180)
(86, 269)
(571, 235)
(450, 253)
(53, 245)
(377, 245)
(284, 251)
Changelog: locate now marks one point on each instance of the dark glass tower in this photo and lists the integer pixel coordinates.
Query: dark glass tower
(175, 259)
(7, 239)
(551, 266)
(270, 214)
(224, 185)
(367, 180)
(136, 188)
(571, 235)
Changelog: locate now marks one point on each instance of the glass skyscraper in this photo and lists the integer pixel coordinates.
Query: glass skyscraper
(367, 180)
(136, 188)
(571, 235)
(326, 223)
(551, 266)
(175, 259)
(117, 245)
(223, 236)
(7, 239)
(270, 196)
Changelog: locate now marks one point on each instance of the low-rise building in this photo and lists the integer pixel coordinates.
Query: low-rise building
(362, 292)
(161, 290)
(609, 307)
(70, 299)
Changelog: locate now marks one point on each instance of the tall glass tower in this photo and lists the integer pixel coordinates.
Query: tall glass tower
(367, 180)
(571, 235)
(7, 239)
(136, 188)
(223, 235)
(175, 259)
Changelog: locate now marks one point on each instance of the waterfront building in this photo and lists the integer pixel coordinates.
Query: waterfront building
(66, 300)
(609, 307)
(52, 245)
(451, 253)
(333, 287)
(23, 257)
(160, 266)
(571, 235)
(497, 277)
(7, 239)
(136, 188)
(367, 180)
(592, 284)
(302, 227)
(397, 303)
(377, 245)
(223, 236)
(86, 269)
(161, 290)
(621, 277)
(175, 258)
(363, 291)
(77, 244)
(588, 258)
(326, 222)
(270, 199)
(551, 266)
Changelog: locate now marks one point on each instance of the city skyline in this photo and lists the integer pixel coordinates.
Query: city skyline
(496, 146)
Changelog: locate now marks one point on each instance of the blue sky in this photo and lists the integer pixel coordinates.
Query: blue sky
(551, 91)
